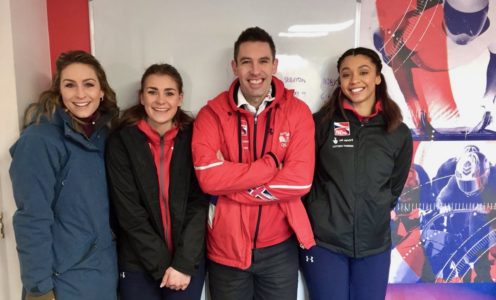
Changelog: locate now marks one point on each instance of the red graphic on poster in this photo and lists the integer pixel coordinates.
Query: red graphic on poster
(418, 39)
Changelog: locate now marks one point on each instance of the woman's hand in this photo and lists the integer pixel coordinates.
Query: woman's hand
(175, 280)
(48, 296)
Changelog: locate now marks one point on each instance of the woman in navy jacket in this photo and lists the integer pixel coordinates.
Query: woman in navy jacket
(363, 158)
(65, 244)
(160, 209)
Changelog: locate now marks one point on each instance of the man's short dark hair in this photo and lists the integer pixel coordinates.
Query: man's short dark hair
(254, 34)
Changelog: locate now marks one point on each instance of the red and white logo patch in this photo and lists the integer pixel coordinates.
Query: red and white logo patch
(284, 139)
(342, 128)
(244, 128)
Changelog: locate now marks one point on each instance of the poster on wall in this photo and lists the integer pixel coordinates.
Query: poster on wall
(439, 61)
(444, 226)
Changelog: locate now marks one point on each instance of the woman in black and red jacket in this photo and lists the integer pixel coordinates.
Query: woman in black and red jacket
(160, 209)
(363, 156)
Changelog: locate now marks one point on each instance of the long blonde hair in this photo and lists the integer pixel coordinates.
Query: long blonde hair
(50, 99)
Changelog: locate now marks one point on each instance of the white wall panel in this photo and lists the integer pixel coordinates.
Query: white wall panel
(24, 72)
(197, 37)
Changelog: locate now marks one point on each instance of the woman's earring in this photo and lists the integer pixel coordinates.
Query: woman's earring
(101, 99)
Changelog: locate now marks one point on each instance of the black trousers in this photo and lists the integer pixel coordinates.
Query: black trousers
(273, 275)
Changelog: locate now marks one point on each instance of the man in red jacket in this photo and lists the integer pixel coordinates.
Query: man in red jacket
(253, 151)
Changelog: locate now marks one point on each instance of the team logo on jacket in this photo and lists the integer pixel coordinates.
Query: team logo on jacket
(341, 128)
(284, 139)
(244, 129)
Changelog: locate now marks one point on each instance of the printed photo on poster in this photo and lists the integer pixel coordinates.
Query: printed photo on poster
(444, 226)
(441, 58)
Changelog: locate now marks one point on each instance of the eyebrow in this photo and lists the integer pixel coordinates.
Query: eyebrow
(250, 58)
(84, 80)
(156, 89)
(244, 58)
(359, 67)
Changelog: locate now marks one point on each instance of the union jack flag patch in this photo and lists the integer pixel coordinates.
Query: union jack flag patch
(261, 193)
(341, 128)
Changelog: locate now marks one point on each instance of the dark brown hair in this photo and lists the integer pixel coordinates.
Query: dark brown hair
(254, 34)
(390, 110)
(137, 112)
(50, 99)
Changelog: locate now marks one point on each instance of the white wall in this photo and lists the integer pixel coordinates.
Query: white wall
(31, 50)
(8, 132)
(24, 72)
(197, 37)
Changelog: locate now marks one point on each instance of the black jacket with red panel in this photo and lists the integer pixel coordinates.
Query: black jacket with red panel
(134, 190)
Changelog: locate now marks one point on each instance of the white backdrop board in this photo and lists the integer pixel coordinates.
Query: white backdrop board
(197, 37)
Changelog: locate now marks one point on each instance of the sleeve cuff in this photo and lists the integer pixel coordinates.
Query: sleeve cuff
(274, 157)
(184, 265)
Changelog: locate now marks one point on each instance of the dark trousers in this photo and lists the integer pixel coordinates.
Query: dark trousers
(141, 286)
(333, 276)
(273, 275)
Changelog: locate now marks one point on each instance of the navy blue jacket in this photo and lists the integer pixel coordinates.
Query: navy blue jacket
(62, 222)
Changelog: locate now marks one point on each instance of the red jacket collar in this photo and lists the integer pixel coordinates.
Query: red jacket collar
(377, 109)
(153, 135)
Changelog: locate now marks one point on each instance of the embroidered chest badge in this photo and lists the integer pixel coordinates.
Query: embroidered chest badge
(284, 139)
(244, 135)
(342, 128)
(244, 128)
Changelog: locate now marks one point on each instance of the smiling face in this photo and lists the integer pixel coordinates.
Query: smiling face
(254, 66)
(161, 99)
(358, 78)
(80, 90)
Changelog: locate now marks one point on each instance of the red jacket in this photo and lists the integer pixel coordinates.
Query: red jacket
(255, 199)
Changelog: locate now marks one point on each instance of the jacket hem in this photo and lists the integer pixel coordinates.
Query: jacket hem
(229, 262)
(349, 253)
